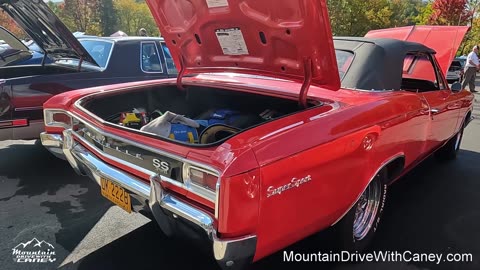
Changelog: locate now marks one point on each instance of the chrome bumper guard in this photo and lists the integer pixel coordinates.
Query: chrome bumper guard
(229, 253)
(53, 143)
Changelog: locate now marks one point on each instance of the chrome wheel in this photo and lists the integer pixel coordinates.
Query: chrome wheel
(367, 209)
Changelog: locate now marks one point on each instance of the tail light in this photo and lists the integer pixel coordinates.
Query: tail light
(201, 181)
(58, 118)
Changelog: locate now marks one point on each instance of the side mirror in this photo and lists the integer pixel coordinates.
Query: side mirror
(456, 87)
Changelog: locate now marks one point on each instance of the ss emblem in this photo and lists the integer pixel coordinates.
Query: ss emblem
(161, 165)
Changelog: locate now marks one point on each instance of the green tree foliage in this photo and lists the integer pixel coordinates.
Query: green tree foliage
(105, 17)
(56, 8)
(133, 15)
(348, 17)
(425, 13)
(357, 17)
(473, 36)
(405, 12)
(82, 16)
(108, 17)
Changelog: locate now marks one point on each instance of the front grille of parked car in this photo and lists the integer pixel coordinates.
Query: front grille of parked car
(149, 161)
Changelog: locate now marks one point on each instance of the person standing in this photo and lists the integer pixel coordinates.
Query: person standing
(471, 68)
(142, 32)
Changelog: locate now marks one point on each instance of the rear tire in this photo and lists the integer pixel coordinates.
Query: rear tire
(357, 228)
(450, 149)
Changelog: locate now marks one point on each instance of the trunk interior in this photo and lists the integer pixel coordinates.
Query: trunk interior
(196, 115)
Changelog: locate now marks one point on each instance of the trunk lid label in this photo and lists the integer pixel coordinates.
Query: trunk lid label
(217, 3)
(232, 41)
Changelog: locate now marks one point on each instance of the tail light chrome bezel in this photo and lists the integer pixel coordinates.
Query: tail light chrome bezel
(208, 194)
(49, 114)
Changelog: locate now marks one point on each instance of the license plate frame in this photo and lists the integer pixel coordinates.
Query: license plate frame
(116, 194)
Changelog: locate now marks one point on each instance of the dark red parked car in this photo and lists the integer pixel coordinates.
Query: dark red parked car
(73, 63)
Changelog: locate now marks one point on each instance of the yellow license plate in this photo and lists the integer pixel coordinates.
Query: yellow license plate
(116, 194)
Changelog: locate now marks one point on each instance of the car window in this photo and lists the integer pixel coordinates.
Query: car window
(150, 58)
(456, 63)
(171, 69)
(34, 47)
(420, 73)
(461, 61)
(99, 50)
(4, 48)
(455, 66)
(344, 60)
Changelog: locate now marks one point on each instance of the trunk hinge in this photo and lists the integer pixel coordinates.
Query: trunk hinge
(80, 63)
(44, 58)
(308, 67)
(181, 72)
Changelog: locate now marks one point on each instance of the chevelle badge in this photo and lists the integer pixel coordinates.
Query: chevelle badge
(294, 183)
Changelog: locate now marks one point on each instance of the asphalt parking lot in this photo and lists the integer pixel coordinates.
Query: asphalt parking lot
(433, 209)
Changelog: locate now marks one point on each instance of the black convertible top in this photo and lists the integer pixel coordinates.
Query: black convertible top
(378, 62)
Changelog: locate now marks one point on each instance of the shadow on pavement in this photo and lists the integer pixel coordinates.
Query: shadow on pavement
(434, 209)
(147, 248)
(43, 195)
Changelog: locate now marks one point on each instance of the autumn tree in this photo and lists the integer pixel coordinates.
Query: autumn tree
(450, 12)
(82, 16)
(7, 22)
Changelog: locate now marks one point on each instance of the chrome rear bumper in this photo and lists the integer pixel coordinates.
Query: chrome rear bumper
(53, 143)
(165, 207)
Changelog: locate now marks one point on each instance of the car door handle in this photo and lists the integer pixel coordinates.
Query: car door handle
(434, 111)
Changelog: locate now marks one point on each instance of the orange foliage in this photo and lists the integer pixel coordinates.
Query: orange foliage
(7, 22)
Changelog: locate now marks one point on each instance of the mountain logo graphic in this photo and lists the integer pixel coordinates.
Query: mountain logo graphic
(34, 251)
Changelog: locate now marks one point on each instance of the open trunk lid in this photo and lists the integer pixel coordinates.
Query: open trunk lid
(289, 39)
(46, 29)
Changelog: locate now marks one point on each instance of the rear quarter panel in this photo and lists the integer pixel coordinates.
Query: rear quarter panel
(328, 150)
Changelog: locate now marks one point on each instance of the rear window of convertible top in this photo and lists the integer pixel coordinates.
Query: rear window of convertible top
(344, 60)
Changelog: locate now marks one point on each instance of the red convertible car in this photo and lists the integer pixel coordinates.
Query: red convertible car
(273, 130)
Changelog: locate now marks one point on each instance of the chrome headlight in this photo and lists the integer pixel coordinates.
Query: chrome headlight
(201, 181)
(58, 118)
